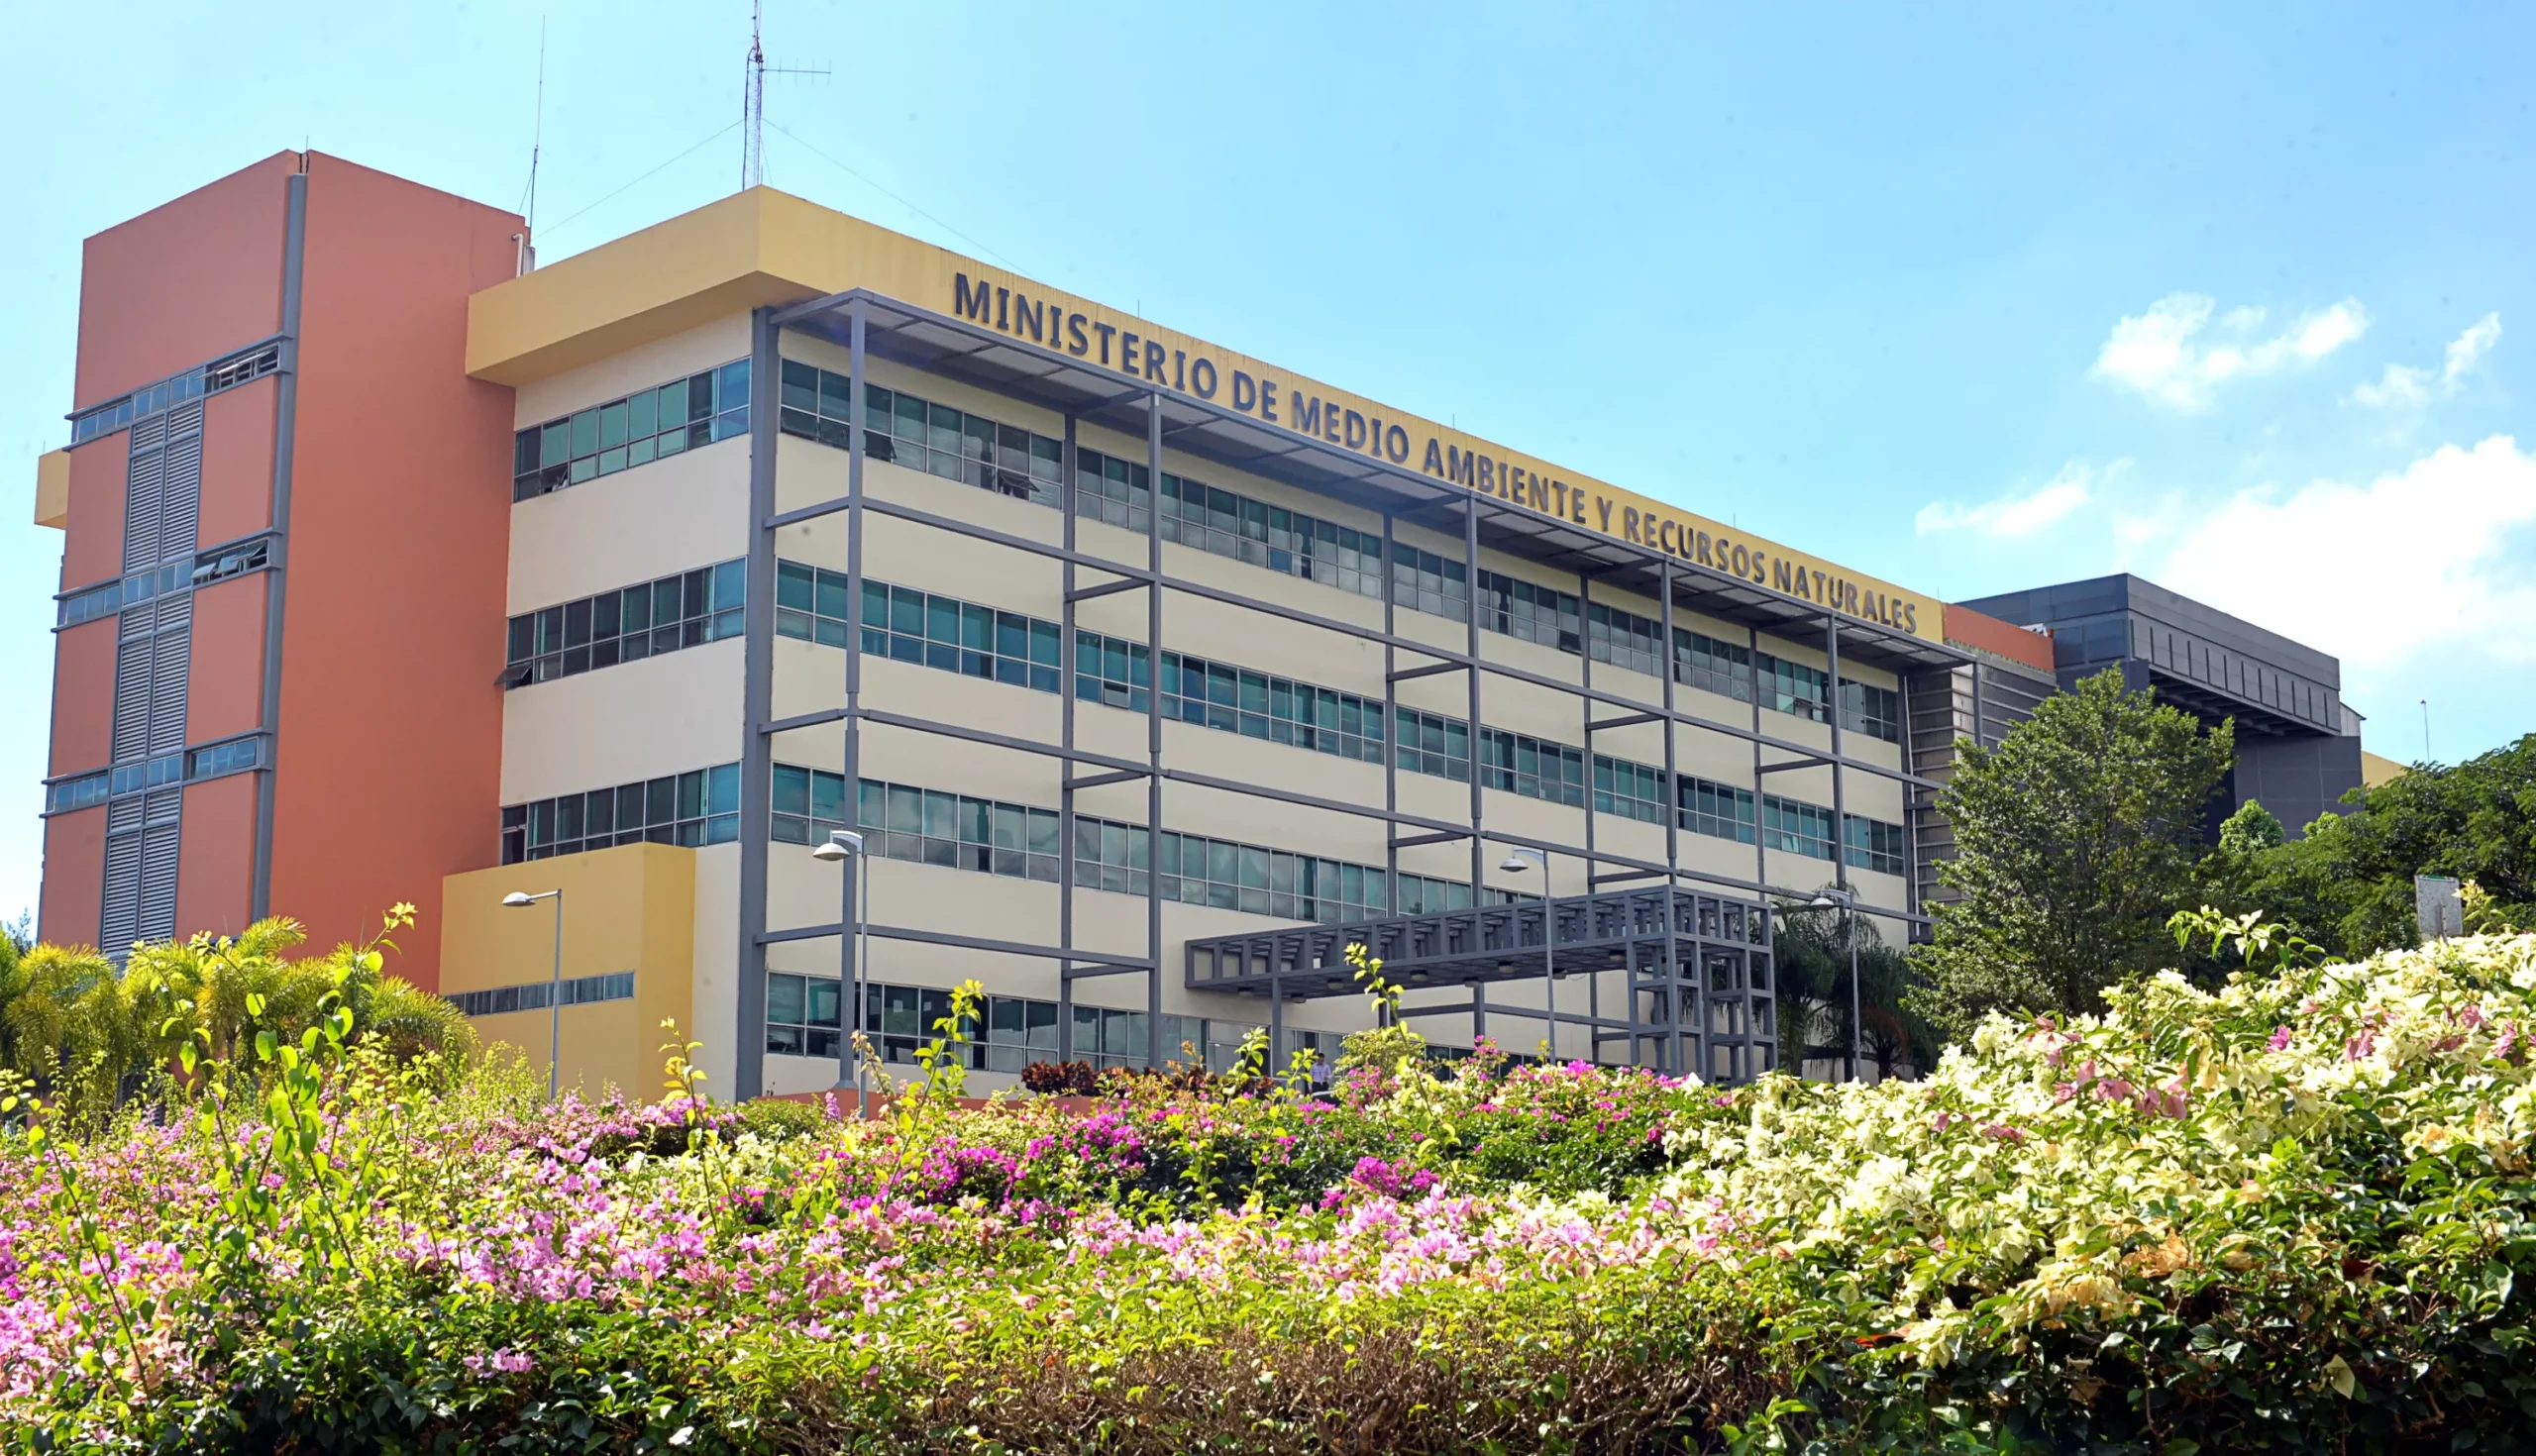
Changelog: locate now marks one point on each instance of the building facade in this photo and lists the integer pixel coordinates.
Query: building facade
(2297, 742)
(1150, 674)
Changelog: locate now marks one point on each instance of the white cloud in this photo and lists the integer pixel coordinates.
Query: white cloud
(2404, 386)
(2420, 562)
(2021, 515)
(2163, 353)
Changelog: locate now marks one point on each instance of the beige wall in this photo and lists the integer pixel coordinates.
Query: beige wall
(680, 712)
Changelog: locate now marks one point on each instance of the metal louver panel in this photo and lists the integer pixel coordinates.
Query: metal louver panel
(181, 484)
(160, 806)
(167, 664)
(122, 815)
(156, 918)
(145, 494)
(120, 923)
(132, 698)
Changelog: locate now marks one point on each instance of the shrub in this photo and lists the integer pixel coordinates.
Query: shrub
(2295, 1212)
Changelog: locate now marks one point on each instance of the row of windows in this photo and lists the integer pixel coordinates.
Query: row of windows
(1221, 523)
(184, 388)
(537, 996)
(1117, 673)
(1008, 1033)
(640, 621)
(236, 756)
(958, 444)
(217, 565)
(962, 832)
(700, 806)
(921, 435)
(636, 430)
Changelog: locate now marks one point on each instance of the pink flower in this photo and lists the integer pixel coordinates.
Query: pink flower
(2280, 1039)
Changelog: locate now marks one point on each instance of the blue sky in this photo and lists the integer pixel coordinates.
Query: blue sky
(1971, 298)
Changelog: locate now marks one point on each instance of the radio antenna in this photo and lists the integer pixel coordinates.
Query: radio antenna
(537, 139)
(753, 98)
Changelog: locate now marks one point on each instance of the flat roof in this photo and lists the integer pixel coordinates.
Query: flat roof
(938, 310)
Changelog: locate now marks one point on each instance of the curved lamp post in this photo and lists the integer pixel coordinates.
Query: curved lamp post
(519, 899)
(1517, 861)
(845, 845)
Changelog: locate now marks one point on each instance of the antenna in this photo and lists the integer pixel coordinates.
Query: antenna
(753, 98)
(537, 142)
(2425, 730)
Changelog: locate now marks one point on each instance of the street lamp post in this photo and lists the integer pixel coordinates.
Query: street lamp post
(844, 845)
(520, 900)
(1824, 899)
(1514, 864)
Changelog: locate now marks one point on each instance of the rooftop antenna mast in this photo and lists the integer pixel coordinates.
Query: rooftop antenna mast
(527, 236)
(537, 142)
(753, 98)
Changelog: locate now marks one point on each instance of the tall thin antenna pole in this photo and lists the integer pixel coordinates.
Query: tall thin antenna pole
(2425, 730)
(537, 144)
(753, 103)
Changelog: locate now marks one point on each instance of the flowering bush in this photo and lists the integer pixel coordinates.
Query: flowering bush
(2289, 1214)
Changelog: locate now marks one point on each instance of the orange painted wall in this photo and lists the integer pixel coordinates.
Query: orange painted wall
(92, 540)
(74, 874)
(223, 684)
(238, 462)
(399, 541)
(83, 698)
(1969, 628)
(183, 282)
(216, 857)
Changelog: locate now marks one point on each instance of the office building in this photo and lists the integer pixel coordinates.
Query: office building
(397, 568)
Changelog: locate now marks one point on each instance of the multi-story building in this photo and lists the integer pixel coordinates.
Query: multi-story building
(1150, 674)
(2297, 742)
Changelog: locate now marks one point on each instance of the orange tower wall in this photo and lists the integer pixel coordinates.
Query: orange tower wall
(391, 726)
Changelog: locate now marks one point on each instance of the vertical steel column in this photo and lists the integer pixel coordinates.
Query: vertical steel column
(1910, 801)
(1980, 735)
(1065, 766)
(1673, 1008)
(1585, 698)
(1740, 1056)
(1390, 733)
(294, 250)
(757, 698)
(1840, 828)
(849, 988)
(1470, 601)
(1154, 729)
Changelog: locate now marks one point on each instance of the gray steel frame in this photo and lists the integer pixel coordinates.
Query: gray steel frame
(1651, 934)
(1077, 390)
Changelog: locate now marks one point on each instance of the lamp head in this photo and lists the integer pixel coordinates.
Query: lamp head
(1516, 863)
(841, 844)
(519, 899)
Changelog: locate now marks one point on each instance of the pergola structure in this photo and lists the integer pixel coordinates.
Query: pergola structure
(865, 323)
(1700, 989)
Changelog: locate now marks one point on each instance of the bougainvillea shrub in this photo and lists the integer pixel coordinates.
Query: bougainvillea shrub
(2290, 1215)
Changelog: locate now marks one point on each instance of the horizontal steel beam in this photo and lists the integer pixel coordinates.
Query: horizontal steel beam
(1428, 671)
(1442, 836)
(804, 720)
(1107, 589)
(957, 942)
(1115, 775)
(1631, 722)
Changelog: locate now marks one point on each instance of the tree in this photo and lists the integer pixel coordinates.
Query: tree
(2076, 839)
(1811, 975)
(2347, 884)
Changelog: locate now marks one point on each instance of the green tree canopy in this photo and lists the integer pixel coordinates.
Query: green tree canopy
(2347, 884)
(2076, 839)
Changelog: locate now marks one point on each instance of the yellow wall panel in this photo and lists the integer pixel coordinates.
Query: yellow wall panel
(627, 908)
